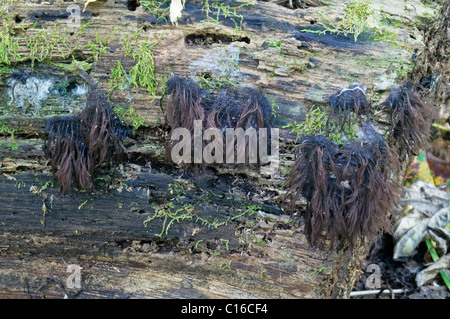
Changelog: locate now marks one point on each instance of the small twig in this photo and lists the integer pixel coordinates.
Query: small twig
(374, 292)
(387, 287)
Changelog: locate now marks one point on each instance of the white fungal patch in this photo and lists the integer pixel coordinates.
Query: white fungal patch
(29, 93)
(219, 62)
(80, 90)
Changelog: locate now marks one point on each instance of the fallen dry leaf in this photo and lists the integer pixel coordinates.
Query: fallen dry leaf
(429, 273)
(423, 213)
(440, 171)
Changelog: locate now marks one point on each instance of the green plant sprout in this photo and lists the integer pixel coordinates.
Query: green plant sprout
(143, 72)
(227, 11)
(177, 189)
(44, 187)
(127, 47)
(9, 46)
(129, 116)
(275, 108)
(43, 44)
(277, 45)
(383, 34)
(98, 47)
(317, 123)
(83, 28)
(314, 123)
(251, 209)
(262, 272)
(358, 16)
(82, 204)
(118, 76)
(226, 242)
(19, 185)
(257, 241)
(197, 243)
(208, 83)
(316, 272)
(46, 43)
(274, 44)
(169, 214)
(226, 265)
(154, 7)
(5, 129)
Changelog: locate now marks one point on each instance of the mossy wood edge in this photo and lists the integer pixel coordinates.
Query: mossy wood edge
(261, 254)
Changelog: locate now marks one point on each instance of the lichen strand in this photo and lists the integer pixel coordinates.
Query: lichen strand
(9, 45)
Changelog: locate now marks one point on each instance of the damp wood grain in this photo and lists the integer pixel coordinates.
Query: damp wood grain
(103, 232)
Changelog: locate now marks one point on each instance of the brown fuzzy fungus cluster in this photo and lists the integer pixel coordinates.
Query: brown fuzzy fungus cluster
(77, 145)
(410, 120)
(234, 107)
(346, 101)
(350, 189)
(240, 108)
(184, 106)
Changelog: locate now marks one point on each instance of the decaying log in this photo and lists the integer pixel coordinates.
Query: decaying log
(229, 236)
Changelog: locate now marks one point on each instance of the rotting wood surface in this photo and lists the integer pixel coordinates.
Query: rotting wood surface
(105, 229)
(260, 254)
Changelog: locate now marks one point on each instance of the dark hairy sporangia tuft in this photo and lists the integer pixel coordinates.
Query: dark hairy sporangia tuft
(78, 144)
(349, 190)
(410, 120)
(234, 107)
(352, 99)
(70, 159)
(184, 106)
(240, 107)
